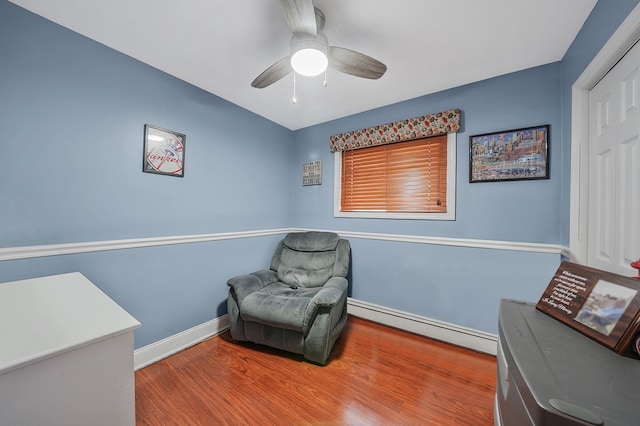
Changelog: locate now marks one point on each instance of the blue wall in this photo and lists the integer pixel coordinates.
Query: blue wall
(463, 285)
(523, 99)
(460, 285)
(72, 114)
(72, 117)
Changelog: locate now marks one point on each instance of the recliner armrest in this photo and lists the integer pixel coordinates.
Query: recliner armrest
(329, 295)
(339, 283)
(242, 285)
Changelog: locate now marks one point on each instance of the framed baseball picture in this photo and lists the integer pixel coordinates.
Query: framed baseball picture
(163, 151)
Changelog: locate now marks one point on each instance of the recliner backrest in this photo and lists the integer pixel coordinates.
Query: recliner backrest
(309, 259)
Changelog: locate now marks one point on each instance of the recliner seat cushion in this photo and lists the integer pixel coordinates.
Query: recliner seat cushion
(278, 305)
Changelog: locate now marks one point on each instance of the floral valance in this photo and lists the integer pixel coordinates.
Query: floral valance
(399, 131)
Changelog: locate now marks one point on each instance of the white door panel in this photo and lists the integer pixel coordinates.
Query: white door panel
(614, 160)
(630, 201)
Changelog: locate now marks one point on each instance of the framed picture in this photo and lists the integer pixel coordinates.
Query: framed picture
(509, 155)
(163, 151)
(602, 305)
(312, 173)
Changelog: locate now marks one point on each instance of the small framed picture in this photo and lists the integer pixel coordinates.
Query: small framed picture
(312, 173)
(602, 305)
(163, 151)
(518, 154)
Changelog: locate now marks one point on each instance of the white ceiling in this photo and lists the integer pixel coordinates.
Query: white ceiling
(427, 45)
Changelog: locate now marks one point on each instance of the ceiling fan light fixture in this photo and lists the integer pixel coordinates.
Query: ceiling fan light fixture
(309, 50)
(308, 57)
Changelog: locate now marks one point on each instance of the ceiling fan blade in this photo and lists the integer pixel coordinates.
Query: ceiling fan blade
(300, 16)
(355, 63)
(272, 74)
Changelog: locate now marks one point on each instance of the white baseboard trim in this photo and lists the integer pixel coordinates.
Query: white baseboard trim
(423, 326)
(439, 330)
(163, 348)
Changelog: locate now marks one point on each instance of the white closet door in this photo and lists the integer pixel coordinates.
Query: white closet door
(614, 168)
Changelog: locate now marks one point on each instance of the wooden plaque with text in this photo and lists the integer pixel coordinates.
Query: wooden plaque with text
(599, 304)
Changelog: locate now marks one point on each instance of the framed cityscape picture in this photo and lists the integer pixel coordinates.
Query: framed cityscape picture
(517, 154)
(163, 151)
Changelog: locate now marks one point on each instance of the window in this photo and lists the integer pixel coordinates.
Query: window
(412, 180)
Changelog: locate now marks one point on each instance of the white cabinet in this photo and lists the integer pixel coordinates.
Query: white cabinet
(66, 354)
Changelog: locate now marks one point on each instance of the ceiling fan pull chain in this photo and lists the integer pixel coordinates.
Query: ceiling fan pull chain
(294, 88)
(326, 53)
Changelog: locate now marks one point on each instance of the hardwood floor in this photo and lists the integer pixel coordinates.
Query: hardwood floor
(376, 375)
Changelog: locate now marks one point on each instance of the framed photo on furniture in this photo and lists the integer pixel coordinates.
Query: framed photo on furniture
(163, 151)
(518, 154)
(601, 305)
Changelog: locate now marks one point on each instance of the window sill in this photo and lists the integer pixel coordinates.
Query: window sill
(386, 215)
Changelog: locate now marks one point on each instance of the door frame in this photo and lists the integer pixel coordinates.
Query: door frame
(620, 42)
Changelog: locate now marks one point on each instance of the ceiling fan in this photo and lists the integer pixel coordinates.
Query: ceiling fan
(310, 50)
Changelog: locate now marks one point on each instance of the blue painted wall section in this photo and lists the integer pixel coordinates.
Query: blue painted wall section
(493, 211)
(168, 289)
(72, 115)
(455, 284)
(458, 285)
(464, 285)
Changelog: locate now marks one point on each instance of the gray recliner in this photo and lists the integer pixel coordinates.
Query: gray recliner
(299, 304)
